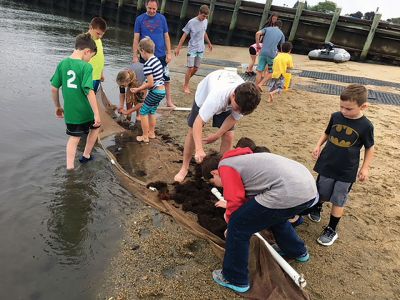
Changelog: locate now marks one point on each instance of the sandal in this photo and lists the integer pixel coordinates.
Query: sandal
(140, 138)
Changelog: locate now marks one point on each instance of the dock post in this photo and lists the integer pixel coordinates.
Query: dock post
(331, 30)
(232, 26)
(370, 37)
(266, 10)
(212, 8)
(162, 9)
(120, 5)
(296, 21)
(101, 11)
(182, 16)
(83, 9)
(139, 6)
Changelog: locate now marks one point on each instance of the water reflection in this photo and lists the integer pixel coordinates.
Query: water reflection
(70, 217)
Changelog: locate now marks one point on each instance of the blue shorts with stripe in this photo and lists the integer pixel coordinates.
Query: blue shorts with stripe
(151, 102)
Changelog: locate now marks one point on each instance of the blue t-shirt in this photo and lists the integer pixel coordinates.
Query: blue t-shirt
(155, 28)
(273, 36)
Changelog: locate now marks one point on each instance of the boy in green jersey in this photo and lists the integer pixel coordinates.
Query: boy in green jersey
(81, 114)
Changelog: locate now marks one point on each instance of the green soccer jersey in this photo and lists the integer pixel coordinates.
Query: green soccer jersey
(75, 78)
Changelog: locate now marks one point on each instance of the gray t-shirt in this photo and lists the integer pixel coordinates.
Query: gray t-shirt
(196, 29)
(276, 182)
(273, 36)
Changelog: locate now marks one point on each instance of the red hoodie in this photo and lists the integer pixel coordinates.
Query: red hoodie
(234, 192)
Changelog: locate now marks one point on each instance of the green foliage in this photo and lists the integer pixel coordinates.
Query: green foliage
(357, 15)
(325, 7)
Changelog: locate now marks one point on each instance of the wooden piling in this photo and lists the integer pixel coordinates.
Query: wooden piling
(232, 25)
(139, 5)
(183, 10)
(296, 20)
(332, 27)
(120, 5)
(212, 8)
(370, 37)
(266, 10)
(83, 9)
(101, 10)
(163, 3)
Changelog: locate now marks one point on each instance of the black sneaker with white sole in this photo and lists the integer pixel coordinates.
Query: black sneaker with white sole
(328, 237)
(315, 216)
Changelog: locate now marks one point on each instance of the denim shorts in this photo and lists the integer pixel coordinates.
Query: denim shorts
(333, 190)
(79, 129)
(194, 59)
(264, 61)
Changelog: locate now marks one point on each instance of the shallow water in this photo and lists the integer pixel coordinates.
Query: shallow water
(58, 230)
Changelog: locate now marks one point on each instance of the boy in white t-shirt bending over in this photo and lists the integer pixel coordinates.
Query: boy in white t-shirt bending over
(224, 97)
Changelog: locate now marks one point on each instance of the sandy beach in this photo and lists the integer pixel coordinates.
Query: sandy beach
(160, 260)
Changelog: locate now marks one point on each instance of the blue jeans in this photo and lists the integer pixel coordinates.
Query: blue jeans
(249, 219)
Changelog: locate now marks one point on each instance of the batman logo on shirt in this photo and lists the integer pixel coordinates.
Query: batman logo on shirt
(343, 136)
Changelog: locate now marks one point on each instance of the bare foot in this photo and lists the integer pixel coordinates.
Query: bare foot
(186, 89)
(142, 138)
(180, 177)
(270, 98)
(171, 105)
(152, 135)
(260, 88)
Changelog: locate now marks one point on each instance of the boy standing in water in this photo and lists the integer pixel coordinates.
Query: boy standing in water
(196, 28)
(337, 165)
(80, 110)
(97, 28)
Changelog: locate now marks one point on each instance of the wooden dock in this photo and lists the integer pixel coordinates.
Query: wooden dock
(234, 22)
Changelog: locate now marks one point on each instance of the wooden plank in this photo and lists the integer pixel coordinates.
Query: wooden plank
(266, 10)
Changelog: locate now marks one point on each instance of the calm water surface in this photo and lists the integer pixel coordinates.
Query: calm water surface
(58, 230)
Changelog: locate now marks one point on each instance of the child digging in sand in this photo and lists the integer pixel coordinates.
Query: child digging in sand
(153, 70)
(126, 79)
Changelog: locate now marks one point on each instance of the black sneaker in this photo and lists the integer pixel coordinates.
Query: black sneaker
(315, 216)
(327, 237)
(84, 160)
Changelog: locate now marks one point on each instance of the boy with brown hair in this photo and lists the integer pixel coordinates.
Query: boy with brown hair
(97, 28)
(337, 163)
(81, 114)
(197, 29)
(153, 70)
(224, 97)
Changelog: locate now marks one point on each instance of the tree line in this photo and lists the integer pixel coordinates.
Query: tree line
(330, 7)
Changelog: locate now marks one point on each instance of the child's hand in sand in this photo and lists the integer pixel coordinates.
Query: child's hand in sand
(221, 203)
(59, 112)
(124, 112)
(316, 152)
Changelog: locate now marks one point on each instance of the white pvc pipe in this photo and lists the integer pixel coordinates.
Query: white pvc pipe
(174, 108)
(296, 277)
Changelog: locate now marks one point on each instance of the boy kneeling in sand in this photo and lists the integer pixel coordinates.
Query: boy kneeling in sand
(262, 191)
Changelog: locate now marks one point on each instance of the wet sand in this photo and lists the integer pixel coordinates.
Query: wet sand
(160, 260)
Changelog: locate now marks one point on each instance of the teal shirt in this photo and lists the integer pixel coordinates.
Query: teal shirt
(75, 78)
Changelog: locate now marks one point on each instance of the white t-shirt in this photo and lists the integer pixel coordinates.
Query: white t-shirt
(196, 29)
(213, 92)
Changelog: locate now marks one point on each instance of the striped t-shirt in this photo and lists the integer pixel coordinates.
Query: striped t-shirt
(154, 67)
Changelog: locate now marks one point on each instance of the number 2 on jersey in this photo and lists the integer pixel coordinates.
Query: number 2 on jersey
(70, 81)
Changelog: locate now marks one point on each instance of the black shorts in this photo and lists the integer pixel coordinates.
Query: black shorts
(218, 120)
(79, 129)
(252, 51)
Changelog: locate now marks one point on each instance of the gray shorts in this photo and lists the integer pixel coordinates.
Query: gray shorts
(218, 120)
(333, 190)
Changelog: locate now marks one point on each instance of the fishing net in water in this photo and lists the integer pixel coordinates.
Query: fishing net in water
(190, 204)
